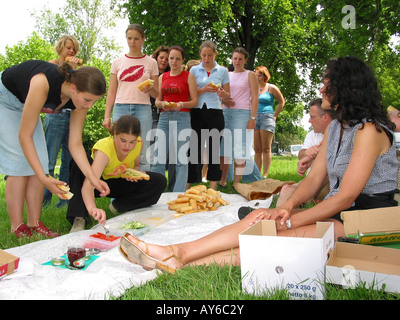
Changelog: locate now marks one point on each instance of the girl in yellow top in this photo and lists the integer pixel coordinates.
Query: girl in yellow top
(110, 157)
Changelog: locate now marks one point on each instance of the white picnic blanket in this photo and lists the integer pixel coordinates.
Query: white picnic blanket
(110, 274)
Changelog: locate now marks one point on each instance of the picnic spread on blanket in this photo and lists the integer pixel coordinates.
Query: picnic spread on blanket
(45, 272)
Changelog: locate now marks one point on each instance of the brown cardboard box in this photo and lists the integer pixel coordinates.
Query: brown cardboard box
(8, 263)
(352, 264)
(375, 226)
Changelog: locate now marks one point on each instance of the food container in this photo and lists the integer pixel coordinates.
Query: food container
(92, 242)
(58, 261)
(151, 219)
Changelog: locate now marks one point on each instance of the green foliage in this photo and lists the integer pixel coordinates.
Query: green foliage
(34, 48)
(87, 20)
(93, 129)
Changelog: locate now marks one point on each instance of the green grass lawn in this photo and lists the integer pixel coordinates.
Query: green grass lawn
(189, 283)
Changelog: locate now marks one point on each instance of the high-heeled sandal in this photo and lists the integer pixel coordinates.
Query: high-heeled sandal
(131, 252)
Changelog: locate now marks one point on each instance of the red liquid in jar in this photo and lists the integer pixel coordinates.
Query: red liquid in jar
(75, 254)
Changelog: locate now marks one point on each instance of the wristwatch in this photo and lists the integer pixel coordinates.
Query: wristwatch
(253, 118)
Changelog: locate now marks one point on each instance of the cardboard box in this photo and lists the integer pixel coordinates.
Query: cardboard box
(375, 226)
(270, 262)
(8, 263)
(352, 264)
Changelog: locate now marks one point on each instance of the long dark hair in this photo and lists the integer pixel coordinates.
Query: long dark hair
(352, 89)
(87, 79)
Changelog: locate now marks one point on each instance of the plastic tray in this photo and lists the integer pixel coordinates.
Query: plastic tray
(149, 218)
(91, 242)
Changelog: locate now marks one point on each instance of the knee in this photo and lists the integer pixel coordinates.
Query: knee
(266, 149)
(338, 228)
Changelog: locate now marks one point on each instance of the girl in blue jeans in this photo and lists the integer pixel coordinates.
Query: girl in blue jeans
(174, 130)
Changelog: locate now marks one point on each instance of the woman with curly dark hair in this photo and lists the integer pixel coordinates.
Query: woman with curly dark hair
(355, 97)
(358, 154)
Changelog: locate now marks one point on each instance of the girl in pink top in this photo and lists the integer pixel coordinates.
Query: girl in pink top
(240, 113)
(124, 96)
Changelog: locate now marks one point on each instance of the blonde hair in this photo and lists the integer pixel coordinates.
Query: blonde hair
(191, 63)
(60, 44)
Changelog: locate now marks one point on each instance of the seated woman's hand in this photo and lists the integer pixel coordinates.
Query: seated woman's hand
(280, 215)
(259, 214)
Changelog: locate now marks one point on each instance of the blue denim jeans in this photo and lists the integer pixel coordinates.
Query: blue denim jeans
(255, 174)
(236, 135)
(171, 146)
(56, 130)
(144, 114)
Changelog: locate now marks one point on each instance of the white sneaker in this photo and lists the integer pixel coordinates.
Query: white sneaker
(79, 225)
(112, 209)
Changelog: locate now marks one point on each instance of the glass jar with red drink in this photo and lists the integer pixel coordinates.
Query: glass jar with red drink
(74, 253)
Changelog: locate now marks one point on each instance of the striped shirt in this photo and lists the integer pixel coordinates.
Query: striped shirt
(338, 153)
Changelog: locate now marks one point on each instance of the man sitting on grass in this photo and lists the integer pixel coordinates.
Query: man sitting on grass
(320, 120)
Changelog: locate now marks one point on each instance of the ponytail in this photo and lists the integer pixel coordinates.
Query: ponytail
(86, 79)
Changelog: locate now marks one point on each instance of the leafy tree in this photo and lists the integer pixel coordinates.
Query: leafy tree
(34, 48)
(365, 29)
(87, 20)
(93, 129)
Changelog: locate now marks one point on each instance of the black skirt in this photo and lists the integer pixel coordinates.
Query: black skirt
(372, 201)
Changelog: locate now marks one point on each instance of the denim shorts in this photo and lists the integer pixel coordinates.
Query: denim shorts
(237, 139)
(265, 121)
(12, 158)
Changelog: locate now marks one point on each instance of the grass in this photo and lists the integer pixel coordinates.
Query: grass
(189, 283)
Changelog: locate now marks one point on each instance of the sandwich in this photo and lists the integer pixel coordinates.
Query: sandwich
(216, 86)
(68, 195)
(135, 174)
(170, 104)
(147, 83)
(80, 61)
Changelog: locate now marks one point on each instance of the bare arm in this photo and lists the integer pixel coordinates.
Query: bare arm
(99, 163)
(111, 96)
(35, 100)
(279, 97)
(368, 145)
(153, 90)
(254, 99)
(78, 152)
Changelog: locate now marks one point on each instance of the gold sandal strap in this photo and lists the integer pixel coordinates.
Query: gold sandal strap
(172, 256)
